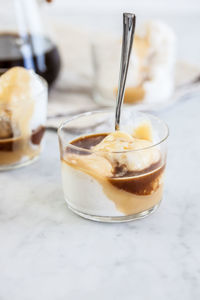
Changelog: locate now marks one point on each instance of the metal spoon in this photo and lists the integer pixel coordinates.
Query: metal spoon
(128, 33)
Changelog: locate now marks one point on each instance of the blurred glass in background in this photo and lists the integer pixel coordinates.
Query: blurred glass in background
(89, 33)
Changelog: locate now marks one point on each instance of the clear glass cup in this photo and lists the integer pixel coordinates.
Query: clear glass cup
(150, 79)
(96, 196)
(22, 126)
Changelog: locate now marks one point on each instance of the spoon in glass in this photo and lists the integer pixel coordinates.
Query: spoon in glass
(128, 33)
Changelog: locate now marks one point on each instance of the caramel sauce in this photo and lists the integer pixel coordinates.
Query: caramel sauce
(129, 203)
(133, 94)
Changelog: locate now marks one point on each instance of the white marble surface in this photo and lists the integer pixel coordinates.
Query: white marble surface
(47, 252)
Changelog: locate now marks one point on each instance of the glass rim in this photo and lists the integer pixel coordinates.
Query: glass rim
(63, 124)
(35, 94)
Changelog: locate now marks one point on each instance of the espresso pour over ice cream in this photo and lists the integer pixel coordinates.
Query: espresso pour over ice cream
(123, 179)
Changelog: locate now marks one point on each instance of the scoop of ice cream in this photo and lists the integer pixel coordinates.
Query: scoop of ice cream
(17, 85)
(129, 153)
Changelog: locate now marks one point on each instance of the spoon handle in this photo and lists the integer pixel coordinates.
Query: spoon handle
(128, 33)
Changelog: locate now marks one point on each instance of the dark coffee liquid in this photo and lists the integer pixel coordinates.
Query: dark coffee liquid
(89, 141)
(32, 52)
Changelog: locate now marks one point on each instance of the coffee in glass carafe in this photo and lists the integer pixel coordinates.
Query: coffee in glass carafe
(23, 41)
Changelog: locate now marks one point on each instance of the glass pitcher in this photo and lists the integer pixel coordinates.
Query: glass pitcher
(23, 41)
